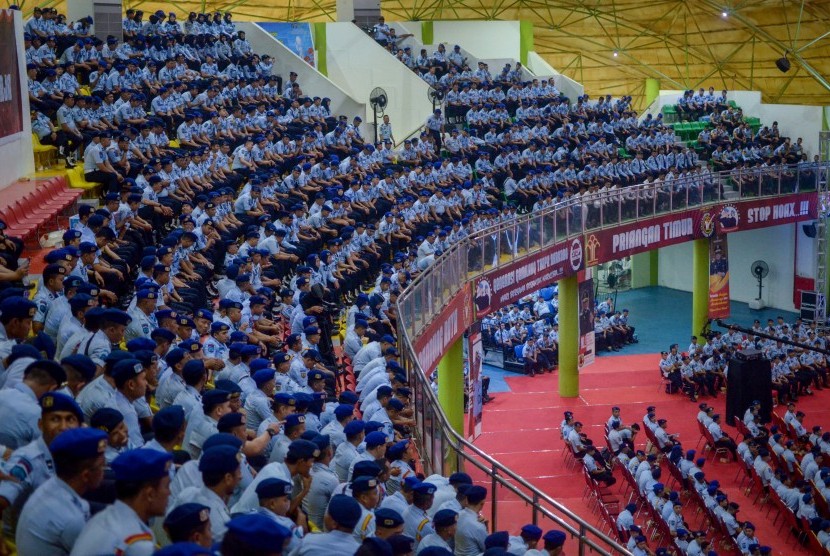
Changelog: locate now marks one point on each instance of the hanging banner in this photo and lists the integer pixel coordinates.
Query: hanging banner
(587, 316)
(718, 278)
(294, 35)
(434, 340)
(508, 284)
(646, 234)
(11, 103)
(475, 401)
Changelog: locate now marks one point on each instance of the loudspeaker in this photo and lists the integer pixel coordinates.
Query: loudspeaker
(809, 229)
(747, 381)
(783, 64)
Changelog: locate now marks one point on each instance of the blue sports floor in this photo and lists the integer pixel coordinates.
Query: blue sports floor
(662, 316)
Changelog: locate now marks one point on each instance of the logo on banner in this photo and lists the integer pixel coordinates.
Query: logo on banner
(483, 296)
(729, 218)
(591, 246)
(576, 254)
(707, 224)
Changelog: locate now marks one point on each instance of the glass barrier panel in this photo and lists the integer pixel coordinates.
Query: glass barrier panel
(475, 255)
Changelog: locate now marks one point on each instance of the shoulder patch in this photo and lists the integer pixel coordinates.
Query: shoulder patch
(132, 539)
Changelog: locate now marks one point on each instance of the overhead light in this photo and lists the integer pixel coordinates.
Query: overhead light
(724, 14)
(616, 54)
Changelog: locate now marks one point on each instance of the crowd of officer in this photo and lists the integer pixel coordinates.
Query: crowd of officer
(172, 386)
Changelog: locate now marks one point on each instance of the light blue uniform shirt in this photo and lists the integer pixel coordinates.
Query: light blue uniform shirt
(19, 415)
(116, 530)
(42, 529)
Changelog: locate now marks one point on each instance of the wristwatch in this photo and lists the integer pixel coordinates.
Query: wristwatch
(271, 433)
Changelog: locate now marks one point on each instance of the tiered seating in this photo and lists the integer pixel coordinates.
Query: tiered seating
(28, 214)
(44, 154)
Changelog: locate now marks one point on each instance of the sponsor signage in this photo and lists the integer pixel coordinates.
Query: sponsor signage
(446, 328)
(662, 231)
(506, 285)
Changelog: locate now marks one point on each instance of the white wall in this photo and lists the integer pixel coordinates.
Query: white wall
(795, 121)
(774, 245)
(415, 42)
(413, 28)
(482, 39)
(540, 67)
(312, 82)
(16, 156)
(536, 66)
(358, 64)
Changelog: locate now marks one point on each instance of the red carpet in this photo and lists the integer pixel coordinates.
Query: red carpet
(521, 430)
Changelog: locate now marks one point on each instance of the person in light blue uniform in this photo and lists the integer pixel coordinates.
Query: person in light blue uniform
(59, 308)
(342, 515)
(98, 346)
(470, 535)
(258, 403)
(417, 523)
(19, 407)
(142, 481)
(143, 321)
(344, 414)
(32, 465)
(78, 457)
(274, 501)
(189, 523)
(194, 376)
(253, 534)
(78, 306)
(51, 288)
(202, 425)
(130, 379)
(215, 346)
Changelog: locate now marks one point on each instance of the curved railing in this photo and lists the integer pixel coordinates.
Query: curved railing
(441, 294)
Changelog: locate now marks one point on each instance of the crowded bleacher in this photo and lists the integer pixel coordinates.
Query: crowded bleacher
(224, 320)
(208, 362)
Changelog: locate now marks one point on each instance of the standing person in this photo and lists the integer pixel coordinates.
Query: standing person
(385, 130)
(435, 125)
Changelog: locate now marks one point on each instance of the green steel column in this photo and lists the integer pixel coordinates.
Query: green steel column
(654, 262)
(652, 90)
(569, 337)
(700, 285)
(426, 32)
(320, 45)
(451, 385)
(525, 39)
(644, 268)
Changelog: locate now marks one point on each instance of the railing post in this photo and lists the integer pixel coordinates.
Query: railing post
(581, 539)
(535, 519)
(493, 484)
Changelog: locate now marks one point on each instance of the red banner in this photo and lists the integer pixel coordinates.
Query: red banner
(508, 284)
(11, 104)
(670, 229)
(456, 317)
(718, 278)
(739, 216)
